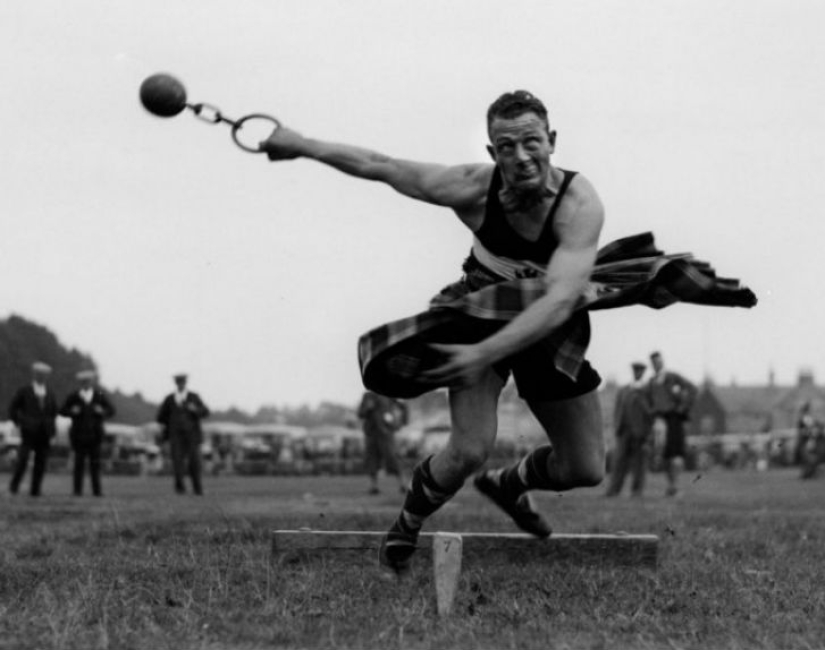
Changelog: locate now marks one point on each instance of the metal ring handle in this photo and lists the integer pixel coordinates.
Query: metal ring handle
(237, 126)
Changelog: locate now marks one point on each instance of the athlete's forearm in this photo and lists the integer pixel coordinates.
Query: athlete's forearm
(530, 326)
(568, 274)
(352, 160)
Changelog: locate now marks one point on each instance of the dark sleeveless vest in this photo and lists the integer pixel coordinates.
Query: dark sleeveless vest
(499, 237)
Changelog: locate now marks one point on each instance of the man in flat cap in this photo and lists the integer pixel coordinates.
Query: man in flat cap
(180, 415)
(33, 410)
(87, 406)
(633, 424)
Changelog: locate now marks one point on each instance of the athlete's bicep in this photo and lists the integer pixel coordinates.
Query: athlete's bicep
(572, 262)
(449, 186)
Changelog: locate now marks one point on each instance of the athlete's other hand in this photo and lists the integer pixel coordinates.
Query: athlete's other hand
(464, 366)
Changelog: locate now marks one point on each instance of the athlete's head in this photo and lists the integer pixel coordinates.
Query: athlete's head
(521, 141)
(510, 105)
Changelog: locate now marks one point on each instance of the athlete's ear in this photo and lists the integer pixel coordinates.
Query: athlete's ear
(492, 152)
(551, 137)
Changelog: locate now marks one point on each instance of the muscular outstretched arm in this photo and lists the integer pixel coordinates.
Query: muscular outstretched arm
(458, 187)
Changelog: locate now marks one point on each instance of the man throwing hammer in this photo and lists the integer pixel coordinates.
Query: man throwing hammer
(527, 218)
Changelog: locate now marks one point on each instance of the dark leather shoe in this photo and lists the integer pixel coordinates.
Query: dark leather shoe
(520, 508)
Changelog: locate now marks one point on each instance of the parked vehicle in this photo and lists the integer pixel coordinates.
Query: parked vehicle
(9, 442)
(334, 450)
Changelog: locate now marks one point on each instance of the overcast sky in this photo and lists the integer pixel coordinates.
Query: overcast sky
(157, 246)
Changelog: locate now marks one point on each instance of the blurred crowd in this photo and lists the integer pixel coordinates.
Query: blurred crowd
(648, 436)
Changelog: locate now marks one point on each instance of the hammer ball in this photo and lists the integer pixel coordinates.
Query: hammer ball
(163, 95)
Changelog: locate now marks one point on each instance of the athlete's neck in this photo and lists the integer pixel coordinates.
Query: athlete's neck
(514, 199)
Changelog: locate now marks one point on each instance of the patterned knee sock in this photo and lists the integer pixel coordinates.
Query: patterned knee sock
(423, 498)
(530, 473)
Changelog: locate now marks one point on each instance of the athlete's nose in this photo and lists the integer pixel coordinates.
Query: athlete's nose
(521, 153)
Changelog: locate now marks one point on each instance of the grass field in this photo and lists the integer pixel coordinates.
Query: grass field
(742, 565)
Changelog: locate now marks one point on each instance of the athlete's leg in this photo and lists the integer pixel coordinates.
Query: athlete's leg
(436, 479)
(474, 424)
(574, 458)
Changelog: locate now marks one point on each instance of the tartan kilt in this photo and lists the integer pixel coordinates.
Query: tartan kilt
(628, 271)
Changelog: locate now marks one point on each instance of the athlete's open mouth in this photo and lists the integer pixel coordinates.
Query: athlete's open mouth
(526, 172)
(526, 177)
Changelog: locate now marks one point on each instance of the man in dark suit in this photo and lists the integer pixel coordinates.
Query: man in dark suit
(671, 397)
(633, 422)
(180, 415)
(88, 407)
(33, 410)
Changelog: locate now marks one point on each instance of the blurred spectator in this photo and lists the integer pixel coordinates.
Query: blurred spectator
(180, 415)
(813, 453)
(671, 397)
(33, 410)
(88, 407)
(633, 419)
(382, 417)
(805, 429)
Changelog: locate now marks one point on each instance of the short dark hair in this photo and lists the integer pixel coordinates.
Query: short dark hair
(510, 105)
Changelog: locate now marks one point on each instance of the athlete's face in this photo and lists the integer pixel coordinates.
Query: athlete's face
(521, 147)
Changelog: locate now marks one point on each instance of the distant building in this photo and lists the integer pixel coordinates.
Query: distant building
(755, 409)
(710, 414)
(786, 408)
(717, 409)
(740, 409)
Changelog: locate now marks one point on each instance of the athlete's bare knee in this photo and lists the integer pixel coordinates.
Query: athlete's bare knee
(582, 473)
(466, 458)
(589, 477)
(590, 471)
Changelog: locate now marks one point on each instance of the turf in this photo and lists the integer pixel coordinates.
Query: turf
(741, 566)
